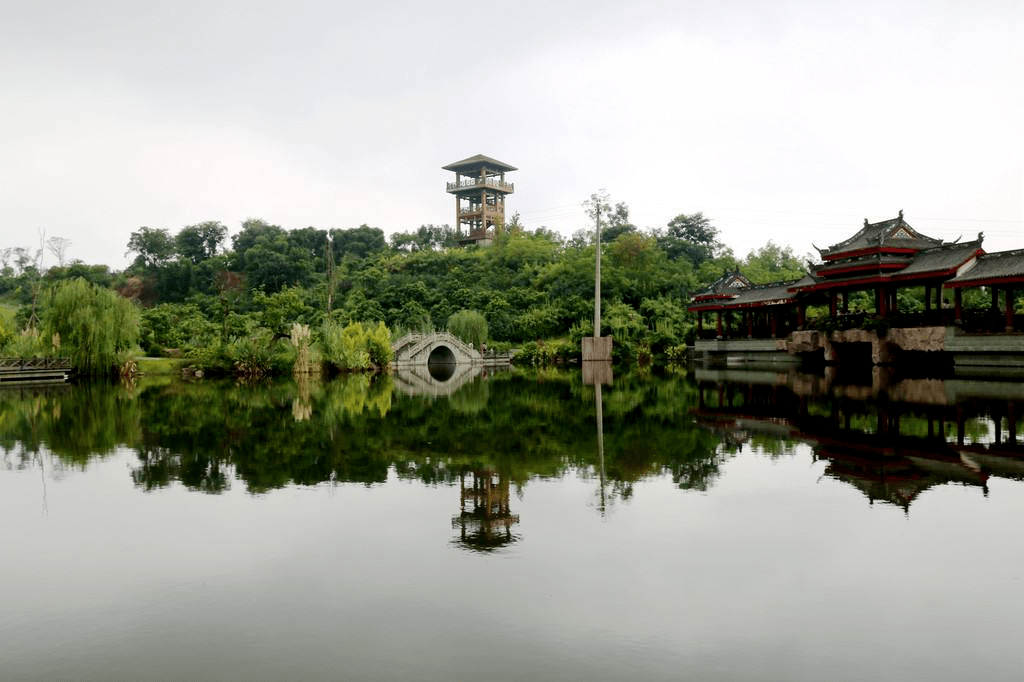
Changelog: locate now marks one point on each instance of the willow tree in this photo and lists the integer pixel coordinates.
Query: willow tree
(470, 326)
(96, 327)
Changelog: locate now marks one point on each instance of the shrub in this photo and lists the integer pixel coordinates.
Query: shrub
(379, 345)
(469, 326)
(545, 353)
(349, 348)
(676, 355)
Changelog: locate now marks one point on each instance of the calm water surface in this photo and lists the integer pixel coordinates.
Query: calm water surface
(728, 527)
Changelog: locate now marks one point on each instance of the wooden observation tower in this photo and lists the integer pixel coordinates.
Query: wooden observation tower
(479, 190)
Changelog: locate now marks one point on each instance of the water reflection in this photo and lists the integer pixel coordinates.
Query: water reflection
(889, 436)
(485, 517)
(209, 435)
(436, 379)
(310, 527)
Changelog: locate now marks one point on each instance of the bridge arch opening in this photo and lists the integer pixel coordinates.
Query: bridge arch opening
(441, 363)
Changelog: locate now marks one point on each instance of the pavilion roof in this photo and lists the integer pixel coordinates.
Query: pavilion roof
(747, 296)
(935, 262)
(729, 282)
(940, 259)
(894, 233)
(473, 164)
(992, 268)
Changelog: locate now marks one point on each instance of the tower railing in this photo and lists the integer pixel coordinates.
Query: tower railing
(470, 183)
(480, 209)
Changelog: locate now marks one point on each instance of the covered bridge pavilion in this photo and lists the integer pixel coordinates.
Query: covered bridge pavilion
(880, 259)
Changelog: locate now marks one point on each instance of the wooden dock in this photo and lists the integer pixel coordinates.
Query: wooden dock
(34, 370)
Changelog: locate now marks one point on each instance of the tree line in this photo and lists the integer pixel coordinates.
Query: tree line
(197, 291)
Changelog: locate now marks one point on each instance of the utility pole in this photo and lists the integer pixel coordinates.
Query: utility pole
(597, 273)
(331, 280)
(597, 350)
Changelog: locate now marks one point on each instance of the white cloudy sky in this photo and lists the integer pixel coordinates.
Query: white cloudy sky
(790, 121)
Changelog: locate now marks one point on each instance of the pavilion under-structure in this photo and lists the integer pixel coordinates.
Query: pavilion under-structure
(855, 292)
(480, 190)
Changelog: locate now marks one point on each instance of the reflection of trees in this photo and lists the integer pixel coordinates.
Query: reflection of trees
(357, 429)
(198, 471)
(76, 423)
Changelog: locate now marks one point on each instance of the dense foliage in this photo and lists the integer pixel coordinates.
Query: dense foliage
(226, 300)
(95, 327)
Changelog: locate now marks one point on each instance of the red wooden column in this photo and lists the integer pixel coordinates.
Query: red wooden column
(832, 305)
(995, 298)
(846, 302)
(750, 323)
(927, 298)
(801, 315)
(882, 297)
(700, 323)
(1009, 309)
(719, 324)
(774, 315)
(958, 305)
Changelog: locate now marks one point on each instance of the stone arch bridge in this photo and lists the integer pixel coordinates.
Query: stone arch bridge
(438, 348)
(441, 348)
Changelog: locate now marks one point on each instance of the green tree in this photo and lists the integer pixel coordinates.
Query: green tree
(200, 242)
(771, 263)
(153, 247)
(359, 242)
(97, 327)
(692, 237)
(470, 326)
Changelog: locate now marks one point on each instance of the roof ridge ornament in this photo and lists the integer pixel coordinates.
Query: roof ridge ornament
(901, 214)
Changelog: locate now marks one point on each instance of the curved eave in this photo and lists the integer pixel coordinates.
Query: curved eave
(985, 282)
(866, 282)
(740, 306)
(860, 268)
(869, 251)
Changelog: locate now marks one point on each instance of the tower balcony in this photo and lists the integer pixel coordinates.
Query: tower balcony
(469, 184)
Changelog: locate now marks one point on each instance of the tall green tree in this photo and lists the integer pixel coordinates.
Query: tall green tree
(153, 247)
(692, 237)
(771, 263)
(200, 242)
(97, 327)
(468, 325)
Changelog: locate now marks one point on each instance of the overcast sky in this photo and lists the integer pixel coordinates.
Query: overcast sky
(789, 121)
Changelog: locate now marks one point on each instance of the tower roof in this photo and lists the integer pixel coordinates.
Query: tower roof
(474, 163)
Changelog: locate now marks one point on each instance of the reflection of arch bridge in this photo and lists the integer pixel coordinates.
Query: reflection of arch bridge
(440, 348)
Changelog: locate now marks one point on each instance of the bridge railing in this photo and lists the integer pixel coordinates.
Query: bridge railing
(33, 364)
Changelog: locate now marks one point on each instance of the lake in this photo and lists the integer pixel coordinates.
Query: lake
(722, 525)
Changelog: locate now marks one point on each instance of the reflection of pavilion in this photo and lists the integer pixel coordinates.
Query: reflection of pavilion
(485, 519)
(892, 440)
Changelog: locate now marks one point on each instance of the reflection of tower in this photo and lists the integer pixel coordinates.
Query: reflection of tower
(485, 520)
(479, 190)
